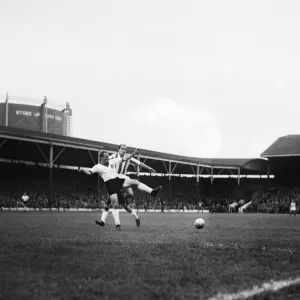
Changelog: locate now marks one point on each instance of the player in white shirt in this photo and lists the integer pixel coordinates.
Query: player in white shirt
(293, 208)
(25, 200)
(115, 182)
(121, 168)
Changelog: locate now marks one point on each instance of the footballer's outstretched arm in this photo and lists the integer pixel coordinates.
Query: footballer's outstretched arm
(85, 170)
(142, 165)
(136, 151)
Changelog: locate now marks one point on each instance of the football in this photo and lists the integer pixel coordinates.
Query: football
(199, 223)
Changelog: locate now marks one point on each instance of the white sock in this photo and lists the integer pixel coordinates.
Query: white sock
(134, 214)
(115, 213)
(104, 215)
(143, 187)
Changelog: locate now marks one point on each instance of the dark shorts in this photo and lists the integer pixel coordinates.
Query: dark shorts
(114, 186)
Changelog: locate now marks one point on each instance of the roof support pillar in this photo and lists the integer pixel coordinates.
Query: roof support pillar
(174, 168)
(211, 175)
(45, 115)
(42, 152)
(197, 184)
(60, 152)
(211, 180)
(239, 176)
(98, 180)
(6, 110)
(269, 172)
(92, 157)
(166, 168)
(50, 175)
(193, 170)
(3, 142)
(170, 186)
(56, 157)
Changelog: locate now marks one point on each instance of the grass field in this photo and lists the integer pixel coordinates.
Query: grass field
(64, 255)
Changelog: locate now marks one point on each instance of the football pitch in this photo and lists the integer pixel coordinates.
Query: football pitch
(64, 255)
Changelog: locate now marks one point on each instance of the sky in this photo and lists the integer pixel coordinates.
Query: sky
(198, 78)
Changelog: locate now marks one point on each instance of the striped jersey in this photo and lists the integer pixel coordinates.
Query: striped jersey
(122, 166)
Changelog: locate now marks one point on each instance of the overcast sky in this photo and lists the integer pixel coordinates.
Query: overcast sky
(201, 78)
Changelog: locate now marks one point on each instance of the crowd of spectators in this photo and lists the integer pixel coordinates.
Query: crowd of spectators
(276, 200)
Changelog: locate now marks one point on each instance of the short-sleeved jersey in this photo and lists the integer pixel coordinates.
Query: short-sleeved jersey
(25, 198)
(122, 166)
(105, 172)
(293, 206)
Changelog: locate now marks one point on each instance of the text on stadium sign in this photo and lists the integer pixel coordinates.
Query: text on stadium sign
(36, 114)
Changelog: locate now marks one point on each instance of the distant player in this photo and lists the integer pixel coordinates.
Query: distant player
(293, 208)
(25, 199)
(162, 206)
(121, 168)
(115, 182)
(200, 206)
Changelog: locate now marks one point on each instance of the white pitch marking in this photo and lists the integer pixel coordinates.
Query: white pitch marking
(266, 287)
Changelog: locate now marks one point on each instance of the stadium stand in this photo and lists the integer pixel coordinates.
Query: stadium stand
(75, 190)
(25, 168)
